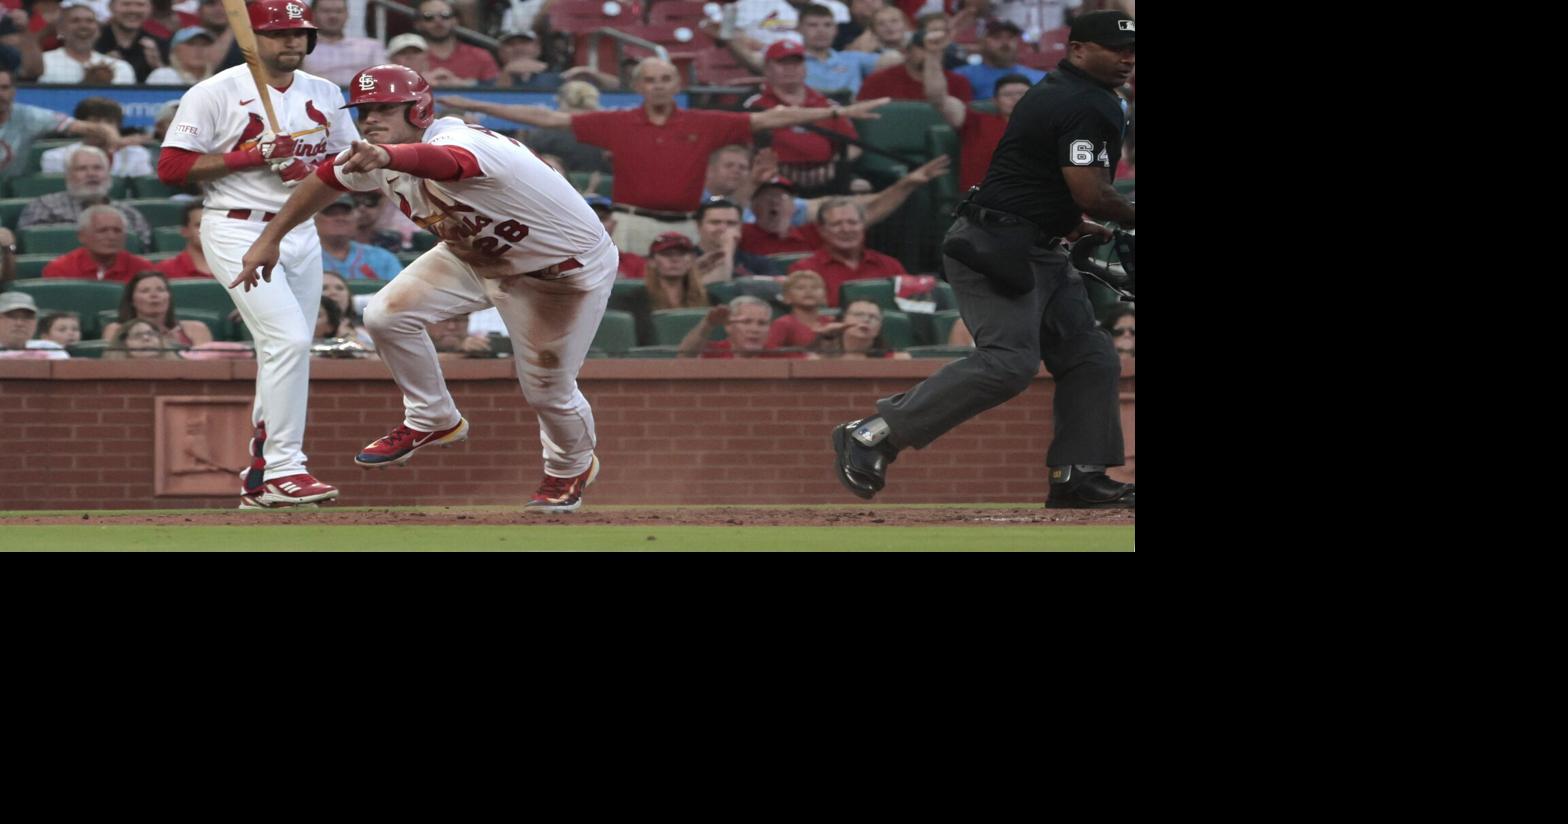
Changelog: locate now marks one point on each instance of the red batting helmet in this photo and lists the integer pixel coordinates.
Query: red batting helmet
(394, 84)
(280, 15)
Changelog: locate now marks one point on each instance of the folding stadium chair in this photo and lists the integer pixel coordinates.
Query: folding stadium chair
(617, 333)
(876, 290)
(671, 325)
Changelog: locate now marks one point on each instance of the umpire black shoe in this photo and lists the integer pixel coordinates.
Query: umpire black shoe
(1074, 489)
(860, 468)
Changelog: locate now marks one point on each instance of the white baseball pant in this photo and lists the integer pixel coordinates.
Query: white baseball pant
(281, 317)
(551, 323)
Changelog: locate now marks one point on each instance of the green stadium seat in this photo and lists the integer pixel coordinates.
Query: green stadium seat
(1125, 186)
(160, 212)
(57, 239)
(617, 333)
(944, 190)
(580, 182)
(876, 290)
(88, 348)
(652, 352)
(149, 186)
(425, 241)
(84, 297)
(366, 286)
(35, 153)
(898, 330)
(11, 211)
(168, 239)
(217, 322)
(200, 293)
(32, 266)
(671, 325)
(406, 258)
(946, 298)
(32, 186)
(942, 326)
(900, 128)
(159, 257)
(943, 351)
(628, 294)
(1103, 298)
(723, 291)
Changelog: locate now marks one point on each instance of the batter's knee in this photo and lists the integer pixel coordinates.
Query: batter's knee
(380, 319)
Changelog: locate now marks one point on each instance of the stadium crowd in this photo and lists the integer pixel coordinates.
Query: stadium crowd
(823, 146)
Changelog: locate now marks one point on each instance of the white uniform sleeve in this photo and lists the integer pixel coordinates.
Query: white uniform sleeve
(357, 181)
(195, 125)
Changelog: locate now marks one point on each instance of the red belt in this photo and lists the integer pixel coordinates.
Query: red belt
(555, 271)
(246, 214)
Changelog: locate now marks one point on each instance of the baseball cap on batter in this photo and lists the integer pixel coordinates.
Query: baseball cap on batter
(785, 48)
(1112, 29)
(404, 41)
(671, 240)
(12, 301)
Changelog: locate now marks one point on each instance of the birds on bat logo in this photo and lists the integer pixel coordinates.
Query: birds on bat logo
(253, 130)
(316, 116)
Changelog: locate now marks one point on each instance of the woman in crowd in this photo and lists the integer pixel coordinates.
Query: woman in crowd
(1122, 325)
(862, 335)
(148, 298)
(350, 325)
(673, 282)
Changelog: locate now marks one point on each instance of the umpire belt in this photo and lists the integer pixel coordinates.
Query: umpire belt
(667, 217)
(981, 216)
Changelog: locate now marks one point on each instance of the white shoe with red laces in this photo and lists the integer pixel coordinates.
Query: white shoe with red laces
(562, 494)
(293, 491)
(397, 446)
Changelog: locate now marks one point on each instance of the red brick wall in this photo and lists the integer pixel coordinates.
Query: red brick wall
(79, 434)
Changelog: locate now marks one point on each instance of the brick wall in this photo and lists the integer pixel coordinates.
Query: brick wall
(80, 434)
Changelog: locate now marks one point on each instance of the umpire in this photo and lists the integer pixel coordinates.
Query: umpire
(1017, 291)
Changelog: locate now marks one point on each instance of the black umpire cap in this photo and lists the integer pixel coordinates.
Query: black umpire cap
(1112, 29)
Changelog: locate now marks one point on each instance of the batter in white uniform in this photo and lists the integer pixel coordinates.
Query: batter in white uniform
(220, 137)
(515, 235)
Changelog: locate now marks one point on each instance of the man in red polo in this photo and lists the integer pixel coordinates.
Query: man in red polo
(805, 157)
(101, 229)
(774, 233)
(907, 82)
(659, 151)
(844, 256)
(978, 132)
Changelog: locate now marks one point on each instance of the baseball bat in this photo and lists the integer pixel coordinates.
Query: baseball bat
(239, 23)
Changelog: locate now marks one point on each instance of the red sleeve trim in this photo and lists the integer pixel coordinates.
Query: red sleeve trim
(174, 164)
(329, 175)
(433, 162)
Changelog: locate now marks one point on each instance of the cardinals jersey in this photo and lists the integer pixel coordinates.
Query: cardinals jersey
(517, 215)
(223, 113)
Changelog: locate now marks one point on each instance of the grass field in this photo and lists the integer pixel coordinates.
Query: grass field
(94, 536)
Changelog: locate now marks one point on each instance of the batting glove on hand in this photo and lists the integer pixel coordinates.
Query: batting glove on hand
(275, 146)
(292, 171)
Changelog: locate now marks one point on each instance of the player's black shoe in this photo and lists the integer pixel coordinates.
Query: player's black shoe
(860, 468)
(1073, 489)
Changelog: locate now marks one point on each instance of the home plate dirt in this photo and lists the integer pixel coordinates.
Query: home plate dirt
(616, 516)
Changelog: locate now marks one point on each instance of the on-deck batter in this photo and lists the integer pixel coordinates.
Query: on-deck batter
(514, 235)
(220, 138)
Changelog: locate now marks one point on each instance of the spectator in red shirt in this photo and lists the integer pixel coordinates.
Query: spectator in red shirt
(164, 20)
(452, 63)
(978, 132)
(907, 82)
(101, 229)
(862, 335)
(806, 157)
(745, 320)
(660, 151)
(805, 326)
(774, 233)
(191, 262)
(844, 256)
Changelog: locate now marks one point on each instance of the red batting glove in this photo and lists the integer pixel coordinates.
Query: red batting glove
(277, 147)
(292, 172)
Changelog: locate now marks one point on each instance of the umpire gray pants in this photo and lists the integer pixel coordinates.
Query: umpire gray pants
(1053, 324)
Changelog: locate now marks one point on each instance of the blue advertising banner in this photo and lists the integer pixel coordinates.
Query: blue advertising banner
(142, 103)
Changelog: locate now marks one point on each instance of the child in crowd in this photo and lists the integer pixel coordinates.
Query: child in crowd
(64, 328)
(805, 326)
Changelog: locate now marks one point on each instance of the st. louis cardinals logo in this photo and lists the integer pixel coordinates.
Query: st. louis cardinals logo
(295, 12)
(367, 83)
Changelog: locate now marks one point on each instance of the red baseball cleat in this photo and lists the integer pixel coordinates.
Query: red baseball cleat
(397, 446)
(562, 494)
(293, 491)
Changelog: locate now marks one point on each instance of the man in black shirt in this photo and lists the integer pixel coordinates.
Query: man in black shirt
(125, 38)
(1017, 290)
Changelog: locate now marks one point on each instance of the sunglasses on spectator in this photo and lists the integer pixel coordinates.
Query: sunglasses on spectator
(1116, 333)
(442, 15)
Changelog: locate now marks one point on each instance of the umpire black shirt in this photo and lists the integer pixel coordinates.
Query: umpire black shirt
(1067, 119)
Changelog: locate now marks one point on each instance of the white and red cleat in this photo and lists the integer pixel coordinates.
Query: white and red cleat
(562, 494)
(292, 491)
(397, 446)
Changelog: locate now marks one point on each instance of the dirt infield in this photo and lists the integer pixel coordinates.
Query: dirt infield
(609, 516)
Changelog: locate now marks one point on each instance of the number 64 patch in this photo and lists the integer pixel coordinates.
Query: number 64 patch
(1082, 154)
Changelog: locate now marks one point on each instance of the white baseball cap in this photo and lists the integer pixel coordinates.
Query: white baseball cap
(11, 301)
(404, 41)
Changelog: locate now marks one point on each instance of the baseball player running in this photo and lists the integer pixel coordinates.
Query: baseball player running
(220, 138)
(514, 235)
